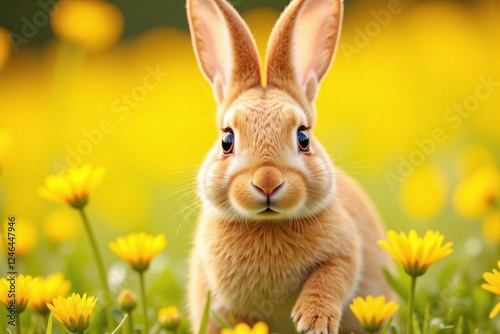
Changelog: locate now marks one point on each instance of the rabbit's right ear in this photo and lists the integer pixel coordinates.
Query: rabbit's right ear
(225, 49)
(303, 44)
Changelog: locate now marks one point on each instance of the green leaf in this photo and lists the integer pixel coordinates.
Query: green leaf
(397, 284)
(220, 321)
(206, 316)
(427, 320)
(482, 302)
(387, 326)
(459, 328)
(49, 325)
(233, 319)
(394, 330)
(416, 327)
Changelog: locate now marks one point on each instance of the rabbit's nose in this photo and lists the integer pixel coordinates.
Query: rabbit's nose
(267, 180)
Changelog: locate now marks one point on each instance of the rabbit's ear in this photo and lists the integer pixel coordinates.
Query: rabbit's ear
(303, 44)
(224, 47)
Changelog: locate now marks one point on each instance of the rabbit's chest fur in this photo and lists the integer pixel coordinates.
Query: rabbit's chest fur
(259, 268)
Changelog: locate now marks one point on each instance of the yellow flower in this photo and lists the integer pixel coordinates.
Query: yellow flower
(48, 288)
(493, 286)
(477, 192)
(169, 318)
(25, 237)
(138, 249)
(73, 312)
(22, 286)
(5, 47)
(72, 187)
(93, 24)
(5, 137)
(372, 312)
(127, 300)
(259, 328)
(414, 253)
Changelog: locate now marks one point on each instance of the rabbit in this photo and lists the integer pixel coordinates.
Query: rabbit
(283, 236)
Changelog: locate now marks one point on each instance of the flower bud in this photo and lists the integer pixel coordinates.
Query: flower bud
(127, 300)
(169, 318)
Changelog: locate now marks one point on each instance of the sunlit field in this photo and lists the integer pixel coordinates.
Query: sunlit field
(410, 108)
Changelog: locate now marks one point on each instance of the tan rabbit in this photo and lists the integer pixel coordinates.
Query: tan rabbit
(283, 235)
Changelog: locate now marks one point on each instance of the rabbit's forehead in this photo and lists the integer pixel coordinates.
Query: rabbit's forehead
(264, 116)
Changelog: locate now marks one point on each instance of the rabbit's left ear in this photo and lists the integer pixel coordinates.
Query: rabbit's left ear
(303, 44)
(224, 47)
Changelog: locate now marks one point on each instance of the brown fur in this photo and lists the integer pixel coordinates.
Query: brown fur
(282, 233)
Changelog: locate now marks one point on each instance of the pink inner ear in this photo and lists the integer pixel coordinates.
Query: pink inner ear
(213, 48)
(316, 32)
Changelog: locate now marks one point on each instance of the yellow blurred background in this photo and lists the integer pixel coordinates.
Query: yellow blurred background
(410, 108)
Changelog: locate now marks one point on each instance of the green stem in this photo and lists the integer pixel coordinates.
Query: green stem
(130, 323)
(411, 305)
(144, 303)
(18, 324)
(100, 265)
(45, 316)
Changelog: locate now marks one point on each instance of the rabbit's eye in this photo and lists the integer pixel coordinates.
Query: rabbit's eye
(228, 143)
(303, 140)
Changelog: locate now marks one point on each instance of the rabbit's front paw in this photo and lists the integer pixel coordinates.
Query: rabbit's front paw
(314, 317)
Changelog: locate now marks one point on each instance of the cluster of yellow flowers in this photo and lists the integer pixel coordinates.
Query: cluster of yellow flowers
(44, 295)
(47, 294)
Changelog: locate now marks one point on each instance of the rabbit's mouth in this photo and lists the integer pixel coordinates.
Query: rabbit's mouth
(268, 211)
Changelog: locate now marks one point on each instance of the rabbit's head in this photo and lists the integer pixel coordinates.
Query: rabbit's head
(266, 164)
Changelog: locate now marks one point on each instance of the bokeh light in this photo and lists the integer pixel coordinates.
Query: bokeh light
(92, 24)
